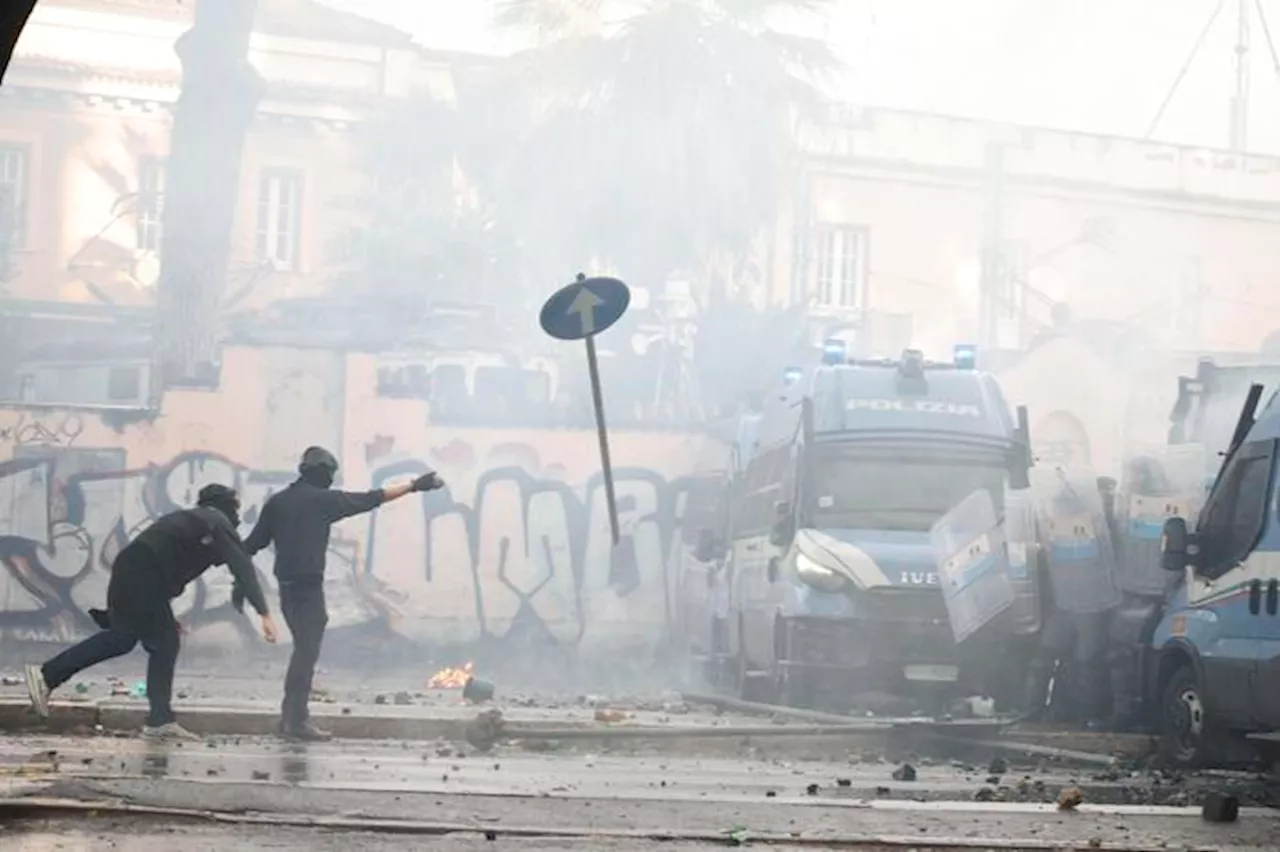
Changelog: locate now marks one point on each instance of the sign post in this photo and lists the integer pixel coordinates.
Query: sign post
(580, 311)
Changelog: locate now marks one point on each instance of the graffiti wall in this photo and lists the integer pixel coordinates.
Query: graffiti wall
(518, 542)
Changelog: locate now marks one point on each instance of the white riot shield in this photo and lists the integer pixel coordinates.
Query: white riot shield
(1023, 544)
(1077, 540)
(1158, 484)
(973, 567)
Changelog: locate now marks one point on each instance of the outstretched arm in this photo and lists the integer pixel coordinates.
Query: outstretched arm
(344, 504)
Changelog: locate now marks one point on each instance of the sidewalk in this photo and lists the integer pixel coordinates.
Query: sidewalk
(222, 705)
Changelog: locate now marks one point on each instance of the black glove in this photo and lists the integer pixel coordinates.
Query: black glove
(237, 597)
(428, 482)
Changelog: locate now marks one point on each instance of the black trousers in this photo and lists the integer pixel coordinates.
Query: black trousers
(139, 612)
(303, 606)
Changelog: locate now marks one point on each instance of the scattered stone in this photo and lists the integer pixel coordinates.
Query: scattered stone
(491, 835)
(997, 766)
(1070, 799)
(986, 794)
(261, 775)
(10, 680)
(402, 699)
(905, 772)
(482, 732)
(770, 794)
(82, 688)
(1220, 807)
(811, 790)
(380, 699)
(1095, 842)
(993, 780)
(844, 782)
(346, 711)
(883, 791)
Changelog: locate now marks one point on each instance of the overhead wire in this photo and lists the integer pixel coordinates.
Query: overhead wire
(1186, 66)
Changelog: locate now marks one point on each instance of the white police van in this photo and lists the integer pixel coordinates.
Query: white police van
(1213, 665)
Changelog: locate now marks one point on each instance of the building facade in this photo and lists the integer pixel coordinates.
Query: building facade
(900, 212)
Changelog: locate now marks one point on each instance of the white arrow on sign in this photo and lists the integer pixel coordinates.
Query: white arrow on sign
(584, 305)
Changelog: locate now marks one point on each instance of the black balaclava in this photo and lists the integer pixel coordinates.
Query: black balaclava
(318, 467)
(222, 498)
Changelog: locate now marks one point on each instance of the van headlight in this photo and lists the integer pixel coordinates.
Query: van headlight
(818, 576)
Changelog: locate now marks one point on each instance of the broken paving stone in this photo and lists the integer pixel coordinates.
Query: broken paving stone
(997, 766)
(484, 731)
(260, 775)
(905, 772)
(986, 794)
(1070, 799)
(380, 699)
(402, 699)
(1220, 807)
(811, 790)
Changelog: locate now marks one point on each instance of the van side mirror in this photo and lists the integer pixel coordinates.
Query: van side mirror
(784, 525)
(706, 549)
(1175, 546)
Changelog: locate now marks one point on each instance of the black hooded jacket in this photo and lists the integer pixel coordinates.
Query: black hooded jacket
(297, 521)
(188, 542)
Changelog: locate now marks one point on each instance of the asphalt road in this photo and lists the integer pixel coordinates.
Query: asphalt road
(593, 801)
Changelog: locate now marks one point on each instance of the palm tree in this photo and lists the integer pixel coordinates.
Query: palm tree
(661, 133)
(219, 96)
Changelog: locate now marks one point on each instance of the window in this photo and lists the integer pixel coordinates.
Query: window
(151, 184)
(1014, 264)
(1237, 509)
(13, 196)
(841, 254)
(279, 217)
(124, 384)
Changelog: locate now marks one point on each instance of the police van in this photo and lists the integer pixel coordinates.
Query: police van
(834, 585)
(1213, 663)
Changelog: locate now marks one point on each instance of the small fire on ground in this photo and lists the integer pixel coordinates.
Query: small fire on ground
(451, 678)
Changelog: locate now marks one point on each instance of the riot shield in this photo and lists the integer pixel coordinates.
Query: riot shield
(1023, 544)
(973, 568)
(1158, 484)
(1077, 540)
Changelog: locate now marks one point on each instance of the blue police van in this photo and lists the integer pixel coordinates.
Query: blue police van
(831, 577)
(1213, 662)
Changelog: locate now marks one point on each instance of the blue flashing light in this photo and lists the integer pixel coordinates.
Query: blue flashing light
(965, 356)
(792, 375)
(833, 351)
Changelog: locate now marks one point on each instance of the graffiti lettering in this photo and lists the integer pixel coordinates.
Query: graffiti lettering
(55, 431)
(509, 550)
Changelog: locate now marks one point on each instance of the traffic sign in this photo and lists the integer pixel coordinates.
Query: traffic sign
(579, 312)
(585, 308)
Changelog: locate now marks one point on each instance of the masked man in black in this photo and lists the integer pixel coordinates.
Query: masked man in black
(150, 571)
(297, 521)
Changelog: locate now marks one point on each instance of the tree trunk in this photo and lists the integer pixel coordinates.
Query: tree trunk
(219, 97)
(13, 17)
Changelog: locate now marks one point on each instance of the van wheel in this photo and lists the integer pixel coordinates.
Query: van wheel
(1188, 738)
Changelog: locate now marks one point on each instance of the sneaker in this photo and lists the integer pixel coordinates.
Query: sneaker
(38, 690)
(169, 732)
(304, 733)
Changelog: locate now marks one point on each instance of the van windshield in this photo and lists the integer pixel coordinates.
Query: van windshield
(890, 493)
